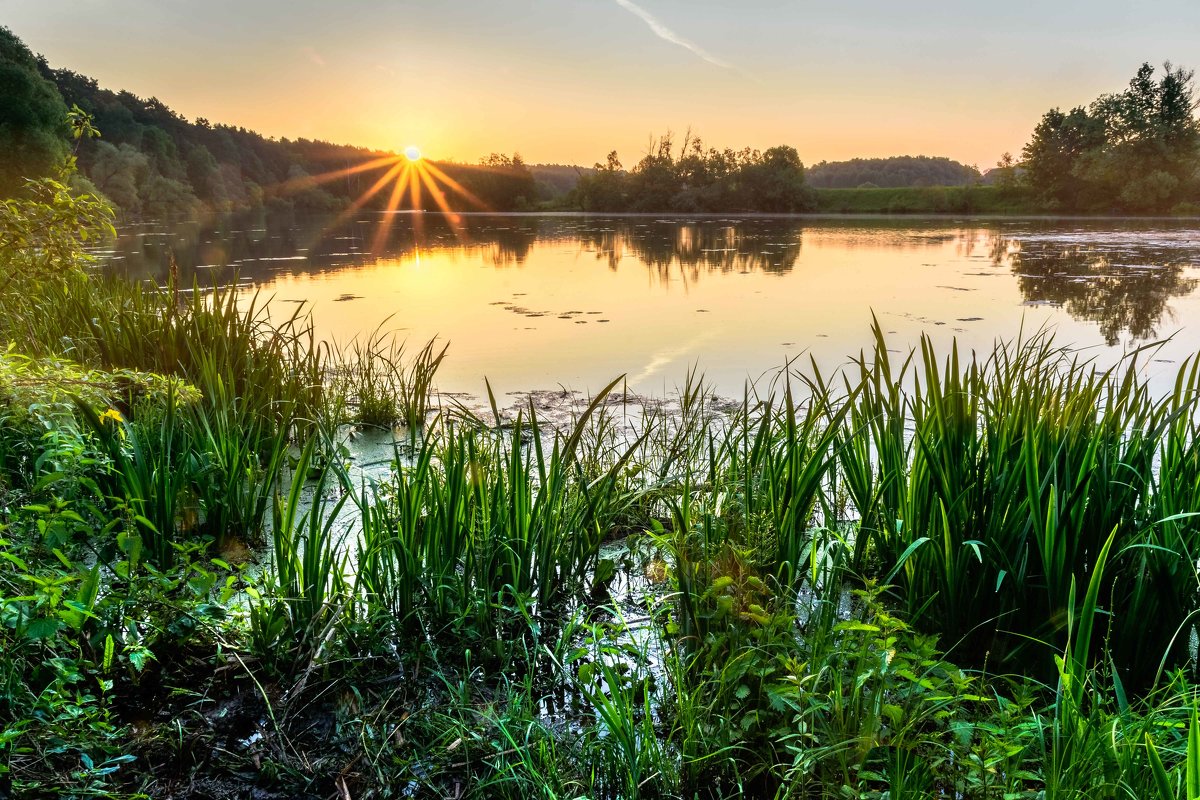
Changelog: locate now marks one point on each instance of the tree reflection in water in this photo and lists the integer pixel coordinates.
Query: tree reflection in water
(1122, 291)
(695, 248)
(1119, 276)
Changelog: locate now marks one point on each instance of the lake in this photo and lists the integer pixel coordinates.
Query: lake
(547, 301)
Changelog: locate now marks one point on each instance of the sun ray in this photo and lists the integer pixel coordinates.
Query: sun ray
(418, 219)
(414, 181)
(311, 181)
(366, 196)
(455, 185)
(439, 198)
(389, 216)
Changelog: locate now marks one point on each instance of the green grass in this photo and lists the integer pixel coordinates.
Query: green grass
(924, 200)
(381, 385)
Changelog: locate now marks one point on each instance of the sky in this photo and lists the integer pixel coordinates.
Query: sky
(566, 81)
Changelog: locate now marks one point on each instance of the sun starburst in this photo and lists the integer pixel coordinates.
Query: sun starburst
(413, 181)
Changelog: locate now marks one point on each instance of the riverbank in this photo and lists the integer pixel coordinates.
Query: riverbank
(974, 200)
(984, 200)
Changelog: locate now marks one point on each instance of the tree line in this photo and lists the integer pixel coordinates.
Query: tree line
(696, 179)
(151, 161)
(1135, 151)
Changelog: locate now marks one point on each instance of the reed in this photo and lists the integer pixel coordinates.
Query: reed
(152, 464)
(304, 595)
(986, 489)
(383, 385)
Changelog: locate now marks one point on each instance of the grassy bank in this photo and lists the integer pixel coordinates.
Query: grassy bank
(929, 575)
(926, 200)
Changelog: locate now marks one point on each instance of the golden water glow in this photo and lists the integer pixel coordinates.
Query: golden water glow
(577, 303)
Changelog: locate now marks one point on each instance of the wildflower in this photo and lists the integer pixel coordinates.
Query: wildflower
(117, 419)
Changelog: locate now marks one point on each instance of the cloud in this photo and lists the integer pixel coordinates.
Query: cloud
(665, 33)
(313, 56)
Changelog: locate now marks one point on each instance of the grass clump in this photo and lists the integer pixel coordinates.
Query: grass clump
(381, 387)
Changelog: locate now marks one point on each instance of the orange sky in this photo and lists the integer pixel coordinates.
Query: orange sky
(570, 80)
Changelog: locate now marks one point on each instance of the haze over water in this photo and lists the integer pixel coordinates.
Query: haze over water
(537, 302)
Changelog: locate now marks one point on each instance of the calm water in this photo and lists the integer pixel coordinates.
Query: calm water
(536, 302)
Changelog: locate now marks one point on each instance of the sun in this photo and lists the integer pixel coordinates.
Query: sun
(410, 176)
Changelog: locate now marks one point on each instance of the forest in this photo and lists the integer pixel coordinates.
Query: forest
(149, 161)
(891, 173)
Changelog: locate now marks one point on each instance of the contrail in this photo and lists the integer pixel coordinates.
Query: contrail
(663, 32)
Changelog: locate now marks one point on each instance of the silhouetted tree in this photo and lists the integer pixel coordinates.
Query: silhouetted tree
(698, 180)
(606, 189)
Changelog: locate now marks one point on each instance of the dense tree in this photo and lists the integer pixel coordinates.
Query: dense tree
(892, 173)
(1137, 150)
(774, 181)
(1053, 157)
(657, 179)
(605, 189)
(33, 132)
(698, 180)
(119, 172)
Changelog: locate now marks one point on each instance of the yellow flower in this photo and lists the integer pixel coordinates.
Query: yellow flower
(117, 419)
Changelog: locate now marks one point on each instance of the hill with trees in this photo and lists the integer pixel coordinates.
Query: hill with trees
(151, 161)
(891, 173)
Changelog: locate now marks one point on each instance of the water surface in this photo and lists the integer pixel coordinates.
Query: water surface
(542, 301)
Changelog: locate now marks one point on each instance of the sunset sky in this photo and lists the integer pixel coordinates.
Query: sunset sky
(568, 80)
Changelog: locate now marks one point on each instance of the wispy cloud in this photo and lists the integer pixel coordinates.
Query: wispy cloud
(665, 33)
(313, 56)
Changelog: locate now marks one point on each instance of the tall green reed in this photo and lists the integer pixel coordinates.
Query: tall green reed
(305, 595)
(480, 519)
(986, 488)
(383, 385)
(153, 462)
